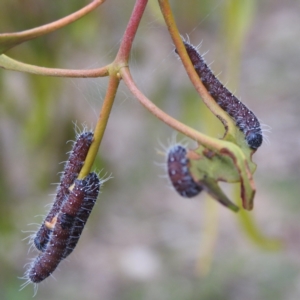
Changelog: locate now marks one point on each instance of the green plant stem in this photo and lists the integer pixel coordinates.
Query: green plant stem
(9, 40)
(208, 100)
(248, 224)
(209, 237)
(101, 125)
(15, 65)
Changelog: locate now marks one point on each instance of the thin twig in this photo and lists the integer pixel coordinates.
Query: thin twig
(15, 65)
(9, 40)
(130, 32)
(101, 125)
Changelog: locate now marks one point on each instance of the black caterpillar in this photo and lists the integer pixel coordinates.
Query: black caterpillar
(71, 171)
(177, 164)
(239, 112)
(91, 190)
(67, 228)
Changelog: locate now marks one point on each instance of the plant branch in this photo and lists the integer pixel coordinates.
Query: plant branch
(248, 224)
(9, 40)
(172, 122)
(208, 100)
(130, 32)
(113, 84)
(15, 65)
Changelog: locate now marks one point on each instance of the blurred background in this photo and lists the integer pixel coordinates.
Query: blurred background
(143, 241)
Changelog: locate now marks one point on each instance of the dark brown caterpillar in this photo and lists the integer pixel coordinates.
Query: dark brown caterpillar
(239, 112)
(67, 228)
(71, 171)
(91, 190)
(47, 261)
(179, 173)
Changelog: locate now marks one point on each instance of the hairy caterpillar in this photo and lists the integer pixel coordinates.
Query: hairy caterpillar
(179, 174)
(71, 171)
(91, 191)
(67, 227)
(239, 112)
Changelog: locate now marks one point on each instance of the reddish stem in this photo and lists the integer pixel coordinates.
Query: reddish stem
(130, 32)
(120, 61)
(10, 40)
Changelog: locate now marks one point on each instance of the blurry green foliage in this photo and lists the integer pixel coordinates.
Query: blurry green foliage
(36, 121)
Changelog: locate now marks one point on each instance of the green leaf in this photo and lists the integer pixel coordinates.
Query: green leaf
(229, 164)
